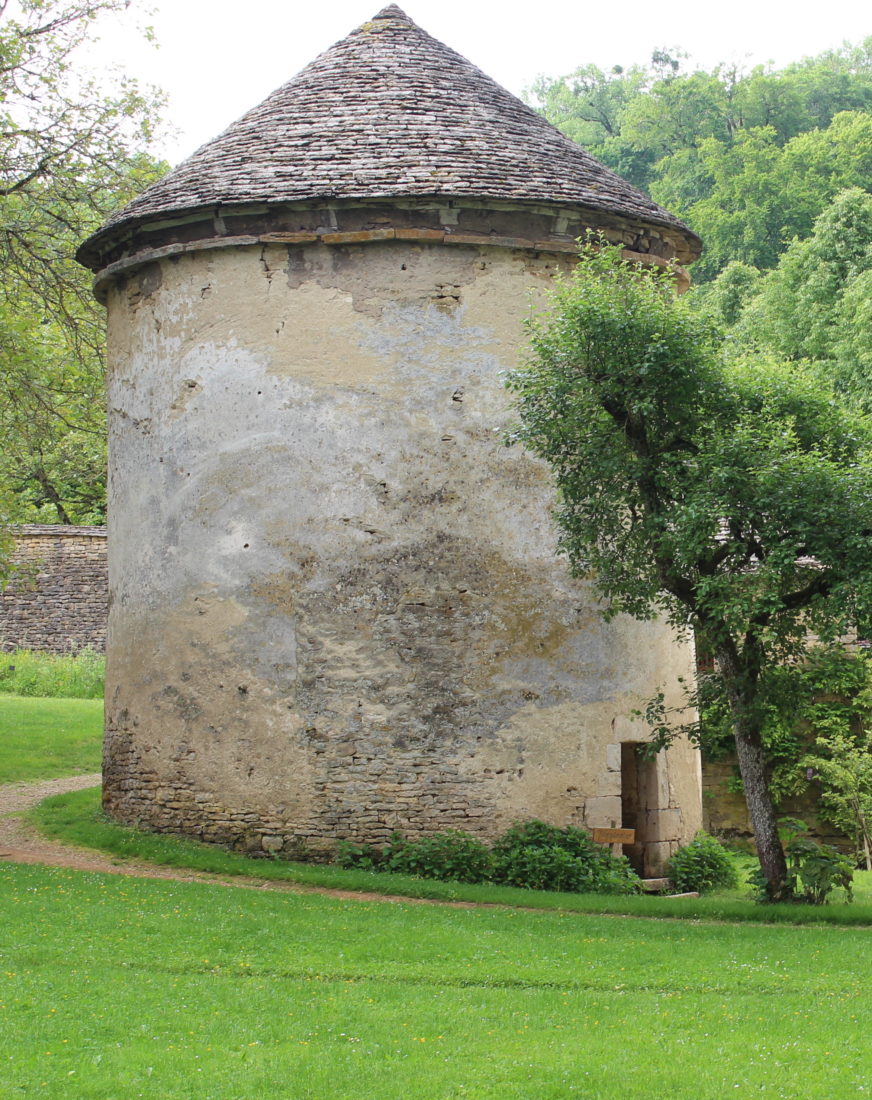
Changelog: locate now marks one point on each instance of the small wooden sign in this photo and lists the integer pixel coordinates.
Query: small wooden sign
(613, 836)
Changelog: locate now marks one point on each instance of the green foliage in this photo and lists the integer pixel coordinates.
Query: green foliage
(817, 870)
(815, 714)
(761, 195)
(713, 490)
(748, 159)
(815, 304)
(546, 868)
(725, 297)
(814, 870)
(52, 419)
(539, 856)
(589, 105)
(364, 857)
(842, 763)
(71, 151)
(701, 866)
(453, 855)
(73, 676)
(531, 855)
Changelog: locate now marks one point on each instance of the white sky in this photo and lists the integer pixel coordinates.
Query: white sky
(218, 58)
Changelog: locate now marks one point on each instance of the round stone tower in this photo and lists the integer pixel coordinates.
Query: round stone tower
(336, 608)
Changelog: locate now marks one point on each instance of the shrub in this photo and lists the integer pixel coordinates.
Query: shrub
(702, 865)
(530, 854)
(538, 834)
(816, 870)
(453, 855)
(543, 857)
(362, 857)
(813, 870)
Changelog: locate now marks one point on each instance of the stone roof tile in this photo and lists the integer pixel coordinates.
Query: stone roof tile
(388, 112)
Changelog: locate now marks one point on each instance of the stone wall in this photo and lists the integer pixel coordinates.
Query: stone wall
(58, 602)
(725, 814)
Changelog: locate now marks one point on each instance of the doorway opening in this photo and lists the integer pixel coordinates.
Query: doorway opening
(638, 796)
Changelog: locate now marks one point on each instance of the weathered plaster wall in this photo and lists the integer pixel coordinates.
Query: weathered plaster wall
(336, 605)
(57, 602)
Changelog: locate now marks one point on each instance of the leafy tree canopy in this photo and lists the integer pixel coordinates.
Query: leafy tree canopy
(71, 150)
(732, 496)
(815, 304)
(749, 159)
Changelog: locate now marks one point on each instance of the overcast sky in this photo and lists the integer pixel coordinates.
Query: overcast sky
(218, 58)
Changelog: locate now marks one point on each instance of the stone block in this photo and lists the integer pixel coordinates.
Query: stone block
(663, 825)
(662, 773)
(609, 783)
(603, 812)
(625, 729)
(656, 857)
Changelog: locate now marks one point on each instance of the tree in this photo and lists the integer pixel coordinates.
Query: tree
(52, 424)
(732, 498)
(70, 152)
(589, 105)
(844, 770)
(815, 304)
(753, 196)
(748, 159)
(727, 296)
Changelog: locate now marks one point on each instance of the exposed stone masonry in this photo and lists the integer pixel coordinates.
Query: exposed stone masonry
(58, 603)
(359, 803)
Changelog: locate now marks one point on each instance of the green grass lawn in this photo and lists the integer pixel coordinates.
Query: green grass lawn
(47, 738)
(116, 987)
(119, 988)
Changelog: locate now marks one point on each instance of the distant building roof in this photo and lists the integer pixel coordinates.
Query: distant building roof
(388, 112)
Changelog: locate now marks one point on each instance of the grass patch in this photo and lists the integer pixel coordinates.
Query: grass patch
(70, 676)
(48, 738)
(122, 987)
(76, 818)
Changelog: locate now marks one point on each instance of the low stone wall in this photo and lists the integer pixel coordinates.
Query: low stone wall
(725, 814)
(58, 603)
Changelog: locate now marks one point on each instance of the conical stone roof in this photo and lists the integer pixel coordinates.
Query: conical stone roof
(388, 112)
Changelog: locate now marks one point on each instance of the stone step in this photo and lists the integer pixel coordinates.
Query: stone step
(662, 886)
(655, 885)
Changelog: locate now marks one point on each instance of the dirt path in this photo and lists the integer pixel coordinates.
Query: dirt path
(21, 843)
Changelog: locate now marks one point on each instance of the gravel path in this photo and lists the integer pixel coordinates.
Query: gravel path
(21, 843)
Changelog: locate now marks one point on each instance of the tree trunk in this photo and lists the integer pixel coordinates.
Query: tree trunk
(752, 768)
(864, 833)
(740, 687)
(51, 494)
